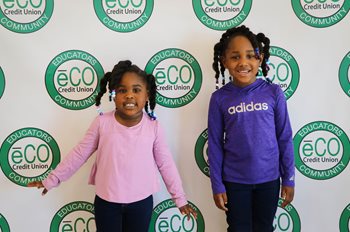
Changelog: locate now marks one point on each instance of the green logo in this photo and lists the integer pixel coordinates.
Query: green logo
(72, 79)
(167, 217)
(75, 216)
(221, 14)
(321, 13)
(25, 16)
(201, 152)
(321, 150)
(4, 226)
(178, 77)
(344, 224)
(284, 70)
(28, 154)
(344, 74)
(123, 16)
(2, 82)
(286, 219)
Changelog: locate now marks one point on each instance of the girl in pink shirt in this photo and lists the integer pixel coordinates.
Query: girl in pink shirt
(130, 150)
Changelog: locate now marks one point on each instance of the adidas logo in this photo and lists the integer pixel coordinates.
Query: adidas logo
(247, 107)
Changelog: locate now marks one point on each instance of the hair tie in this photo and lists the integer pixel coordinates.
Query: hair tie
(99, 110)
(267, 65)
(152, 115)
(112, 95)
(257, 53)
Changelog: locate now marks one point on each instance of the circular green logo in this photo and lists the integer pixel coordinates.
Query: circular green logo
(28, 154)
(221, 15)
(74, 216)
(286, 219)
(201, 152)
(321, 150)
(4, 226)
(2, 82)
(320, 13)
(72, 79)
(25, 16)
(178, 77)
(284, 70)
(344, 74)
(344, 223)
(123, 16)
(167, 217)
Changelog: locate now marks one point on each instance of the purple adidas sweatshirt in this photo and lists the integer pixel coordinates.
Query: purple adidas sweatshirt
(249, 136)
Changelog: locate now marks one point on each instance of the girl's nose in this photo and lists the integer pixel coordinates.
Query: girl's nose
(129, 95)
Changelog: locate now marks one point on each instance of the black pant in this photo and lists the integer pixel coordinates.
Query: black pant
(251, 207)
(116, 217)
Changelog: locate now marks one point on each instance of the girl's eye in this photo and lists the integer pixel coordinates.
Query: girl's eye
(121, 91)
(250, 56)
(137, 90)
(235, 57)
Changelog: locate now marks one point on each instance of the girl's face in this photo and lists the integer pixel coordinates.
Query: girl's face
(130, 99)
(240, 61)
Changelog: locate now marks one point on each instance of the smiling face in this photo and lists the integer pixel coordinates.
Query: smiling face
(130, 99)
(241, 61)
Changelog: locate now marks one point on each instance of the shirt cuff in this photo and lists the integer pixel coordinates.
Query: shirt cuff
(51, 181)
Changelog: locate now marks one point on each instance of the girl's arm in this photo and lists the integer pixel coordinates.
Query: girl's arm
(215, 145)
(170, 174)
(285, 140)
(285, 144)
(167, 168)
(73, 161)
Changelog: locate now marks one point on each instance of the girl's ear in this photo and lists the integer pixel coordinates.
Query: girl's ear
(261, 58)
(223, 61)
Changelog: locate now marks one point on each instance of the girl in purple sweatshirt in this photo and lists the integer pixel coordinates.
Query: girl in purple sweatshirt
(250, 146)
(130, 150)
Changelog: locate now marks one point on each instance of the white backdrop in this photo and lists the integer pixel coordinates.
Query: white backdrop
(173, 39)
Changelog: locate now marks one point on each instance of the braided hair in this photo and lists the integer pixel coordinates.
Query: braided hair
(112, 81)
(259, 42)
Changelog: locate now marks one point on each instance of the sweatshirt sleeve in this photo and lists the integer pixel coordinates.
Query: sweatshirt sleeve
(285, 140)
(215, 145)
(167, 168)
(75, 158)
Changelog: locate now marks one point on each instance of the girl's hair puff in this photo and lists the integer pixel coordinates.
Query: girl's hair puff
(112, 81)
(259, 42)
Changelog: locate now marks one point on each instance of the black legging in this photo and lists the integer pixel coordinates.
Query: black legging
(116, 217)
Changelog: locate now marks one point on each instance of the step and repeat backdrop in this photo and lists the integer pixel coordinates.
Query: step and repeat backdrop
(53, 53)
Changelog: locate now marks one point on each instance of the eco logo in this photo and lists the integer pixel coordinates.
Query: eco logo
(284, 70)
(167, 217)
(321, 150)
(123, 16)
(25, 16)
(286, 219)
(320, 13)
(75, 216)
(201, 152)
(178, 77)
(4, 226)
(2, 82)
(344, 74)
(344, 223)
(221, 14)
(28, 154)
(72, 79)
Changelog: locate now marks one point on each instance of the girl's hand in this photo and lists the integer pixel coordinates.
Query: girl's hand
(287, 194)
(220, 201)
(39, 185)
(188, 210)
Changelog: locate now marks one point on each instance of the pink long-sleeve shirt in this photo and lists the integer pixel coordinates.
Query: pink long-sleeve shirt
(127, 161)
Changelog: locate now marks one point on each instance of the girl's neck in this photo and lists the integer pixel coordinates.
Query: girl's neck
(127, 121)
(242, 85)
